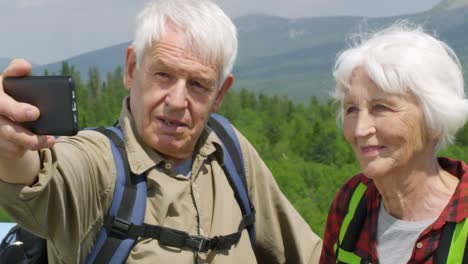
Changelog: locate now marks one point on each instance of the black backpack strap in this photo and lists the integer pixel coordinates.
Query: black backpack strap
(442, 251)
(452, 244)
(128, 206)
(170, 237)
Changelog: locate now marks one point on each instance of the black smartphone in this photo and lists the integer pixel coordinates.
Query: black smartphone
(55, 96)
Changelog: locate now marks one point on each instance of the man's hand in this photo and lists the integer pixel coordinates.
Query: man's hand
(19, 159)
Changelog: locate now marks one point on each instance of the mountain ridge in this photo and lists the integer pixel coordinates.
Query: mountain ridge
(451, 4)
(295, 56)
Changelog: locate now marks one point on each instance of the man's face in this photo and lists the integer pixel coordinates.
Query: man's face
(172, 94)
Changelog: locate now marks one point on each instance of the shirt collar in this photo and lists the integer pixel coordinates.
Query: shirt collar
(457, 208)
(210, 144)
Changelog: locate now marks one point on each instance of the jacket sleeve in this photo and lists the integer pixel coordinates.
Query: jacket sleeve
(282, 235)
(67, 203)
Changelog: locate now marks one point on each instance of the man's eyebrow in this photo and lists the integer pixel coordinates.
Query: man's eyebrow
(205, 80)
(200, 76)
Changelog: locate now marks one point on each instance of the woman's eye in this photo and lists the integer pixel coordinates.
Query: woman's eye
(351, 109)
(381, 107)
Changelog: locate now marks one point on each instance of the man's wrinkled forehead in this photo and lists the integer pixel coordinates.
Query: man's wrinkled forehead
(186, 43)
(170, 54)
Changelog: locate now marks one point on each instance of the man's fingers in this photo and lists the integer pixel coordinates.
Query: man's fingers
(17, 68)
(19, 138)
(19, 112)
(10, 108)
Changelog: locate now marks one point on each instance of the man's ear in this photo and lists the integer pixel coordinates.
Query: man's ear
(130, 66)
(222, 92)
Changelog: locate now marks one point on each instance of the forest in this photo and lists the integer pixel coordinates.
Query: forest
(302, 144)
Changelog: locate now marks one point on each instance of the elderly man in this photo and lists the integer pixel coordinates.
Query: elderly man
(178, 70)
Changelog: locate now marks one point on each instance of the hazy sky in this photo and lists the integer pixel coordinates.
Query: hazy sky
(45, 31)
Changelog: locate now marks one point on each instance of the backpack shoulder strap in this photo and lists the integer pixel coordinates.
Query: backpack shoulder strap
(128, 206)
(351, 226)
(452, 243)
(234, 168)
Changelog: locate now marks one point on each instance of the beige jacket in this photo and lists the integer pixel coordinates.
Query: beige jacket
(75, 188)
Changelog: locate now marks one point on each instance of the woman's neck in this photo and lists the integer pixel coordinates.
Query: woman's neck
(416, 193)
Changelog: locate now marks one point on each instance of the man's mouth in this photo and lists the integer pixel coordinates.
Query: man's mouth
(171, 123)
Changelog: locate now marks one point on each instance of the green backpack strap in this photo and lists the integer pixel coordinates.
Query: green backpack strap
(452, 244)
(351, 227)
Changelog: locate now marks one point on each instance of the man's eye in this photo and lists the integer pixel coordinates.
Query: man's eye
(196, 85)
(162, 75)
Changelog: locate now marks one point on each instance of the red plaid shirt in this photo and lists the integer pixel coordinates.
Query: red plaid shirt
(366, 248)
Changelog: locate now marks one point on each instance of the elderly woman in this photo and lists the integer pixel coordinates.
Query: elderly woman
(402, 98)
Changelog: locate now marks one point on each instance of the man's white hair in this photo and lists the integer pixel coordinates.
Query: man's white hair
(206, 30)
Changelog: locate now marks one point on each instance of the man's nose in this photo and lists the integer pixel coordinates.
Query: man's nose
(177, 95)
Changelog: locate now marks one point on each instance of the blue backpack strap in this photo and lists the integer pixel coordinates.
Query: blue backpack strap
(234, 168)
(113, 245)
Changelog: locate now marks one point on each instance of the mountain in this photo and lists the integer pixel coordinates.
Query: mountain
(106, 59)
(296, 56)
(5, 61)
(451, 4)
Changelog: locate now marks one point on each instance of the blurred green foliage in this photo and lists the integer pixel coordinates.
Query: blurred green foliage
(301, 143)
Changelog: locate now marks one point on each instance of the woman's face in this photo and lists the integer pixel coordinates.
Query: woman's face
(387, 132)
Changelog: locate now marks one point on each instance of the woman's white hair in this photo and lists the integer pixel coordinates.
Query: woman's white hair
(403, 58)
(206, 30)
